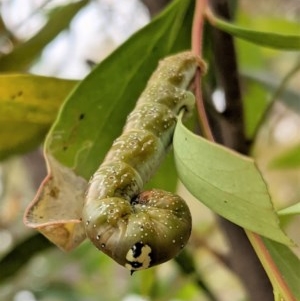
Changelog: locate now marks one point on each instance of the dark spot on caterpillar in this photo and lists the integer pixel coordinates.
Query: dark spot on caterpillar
(54, 192)
(136, 264)
(20, 93)
(134, 200)
(81, 116)
(65, 148)
(137, 249)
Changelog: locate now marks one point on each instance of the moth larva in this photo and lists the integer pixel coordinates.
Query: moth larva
(142, 229)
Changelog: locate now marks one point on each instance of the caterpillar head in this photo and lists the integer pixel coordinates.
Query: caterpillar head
(147, 231)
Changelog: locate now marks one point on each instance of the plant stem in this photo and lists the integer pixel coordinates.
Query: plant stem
(243, 258)
(197, 37)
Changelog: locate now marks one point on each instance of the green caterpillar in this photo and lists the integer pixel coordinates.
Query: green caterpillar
(142, 229)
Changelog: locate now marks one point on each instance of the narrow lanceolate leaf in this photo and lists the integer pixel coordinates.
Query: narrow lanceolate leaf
(97, 110)
(288, 97)
(93, 117)
(291, 210)
(266, 39)
(23, 55)
(281, 265)
(29, 105)
(286, 280)
(228, 183)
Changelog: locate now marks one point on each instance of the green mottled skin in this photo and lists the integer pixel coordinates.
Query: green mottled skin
(117, 214)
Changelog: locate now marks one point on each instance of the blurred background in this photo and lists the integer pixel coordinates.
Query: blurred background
(41, 271)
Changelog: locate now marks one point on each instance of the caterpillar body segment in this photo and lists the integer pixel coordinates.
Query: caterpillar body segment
(142, 229)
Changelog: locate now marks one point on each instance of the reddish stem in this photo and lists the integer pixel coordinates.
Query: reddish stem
(197, 37)
(197, 29)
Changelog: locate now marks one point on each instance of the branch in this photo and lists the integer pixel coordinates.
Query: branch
(227, 73)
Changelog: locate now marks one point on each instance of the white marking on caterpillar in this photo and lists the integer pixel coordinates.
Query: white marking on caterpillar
(138, 257)
(142, 229)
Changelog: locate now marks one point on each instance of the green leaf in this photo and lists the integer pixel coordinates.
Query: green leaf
(96, 112)
(288, 265)
(257, 101)
(29, 105)
(166, 177)
(291, 210)
(267, 39)
(228, 183)
(23, 55)
(255, 105)
(289, 159)
(93, 116)
(288, 96)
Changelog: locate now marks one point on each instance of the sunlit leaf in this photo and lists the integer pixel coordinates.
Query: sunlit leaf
(29, 105)
(23, 55)
(267, 39)
(93, 116)
(228, 183)
(291, 210)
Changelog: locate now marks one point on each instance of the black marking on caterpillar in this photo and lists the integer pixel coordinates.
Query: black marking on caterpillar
(142, 229)
(138, 257)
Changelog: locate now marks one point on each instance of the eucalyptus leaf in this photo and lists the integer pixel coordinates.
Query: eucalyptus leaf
(288, 96)
(257, 100)
(228, 183)
(96, 112)
(288, 265)
(256, 103)
(93, 116)
(291, 210)
(24, 54)
(267, 39)
(29, 105)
